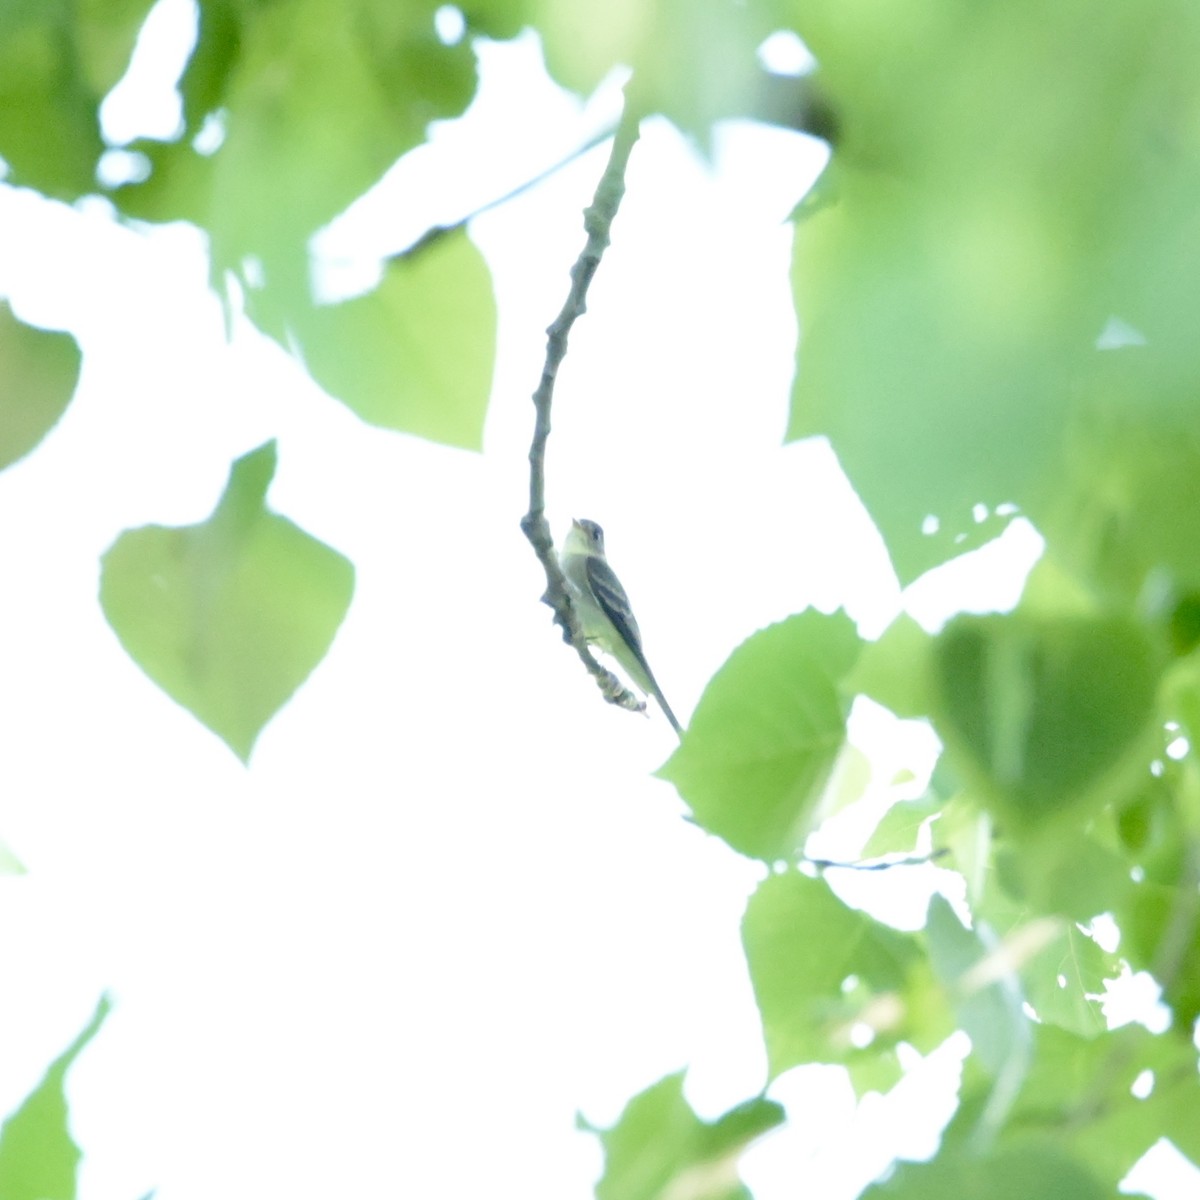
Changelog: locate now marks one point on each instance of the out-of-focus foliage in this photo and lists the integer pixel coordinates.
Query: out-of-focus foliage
(39, 1159)
(659, 1147)
(1011, 186)
(38, 373)
(416, 353)
(229, 616)
(754, 771)
(998, 312)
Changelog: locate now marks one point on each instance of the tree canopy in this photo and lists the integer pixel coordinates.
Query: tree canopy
(994, 286)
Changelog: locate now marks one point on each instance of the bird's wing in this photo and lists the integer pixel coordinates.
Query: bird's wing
(610, 595)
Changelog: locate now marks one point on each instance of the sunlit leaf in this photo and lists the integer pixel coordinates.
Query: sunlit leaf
(659, 1147)
(900, 827)
(824, 973)
(228, 617)
(895, 669)
(39, 1159)
(766, 734)
(416, 353)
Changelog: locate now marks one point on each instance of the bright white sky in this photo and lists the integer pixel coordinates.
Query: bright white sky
(446, 906)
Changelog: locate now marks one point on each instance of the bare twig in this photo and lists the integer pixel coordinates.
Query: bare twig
(597, 221)
(876, 864)
(435, 233)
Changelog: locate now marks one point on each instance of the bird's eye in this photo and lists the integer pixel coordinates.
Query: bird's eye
(597, 534)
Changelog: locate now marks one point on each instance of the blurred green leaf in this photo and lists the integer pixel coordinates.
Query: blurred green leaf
(1124, 513)
(766, 734)
(986, 992)
(693, 60)
(49, 130)
(900, 827)
(1080, 1094)
(1063, 981)
(38, 374)
(1033, 1169)
(107, 33)
(39, 1159)
(317, 99)
(660, 1147)
(1043, 714)
(823, 973)
(228, 617)
(895, 669)
(1160, 933)
(952, 300)
(1071, 875)
(416, 353)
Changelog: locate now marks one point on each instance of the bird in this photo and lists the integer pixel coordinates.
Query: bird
(602, 607)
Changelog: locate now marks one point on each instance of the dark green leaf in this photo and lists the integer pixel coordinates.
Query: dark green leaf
(1045, 713)
(49, 129)
(230, 616)
(1160, 927)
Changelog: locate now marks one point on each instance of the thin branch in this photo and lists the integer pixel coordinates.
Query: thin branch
(876, 864)
(435, 233)
(597, 222)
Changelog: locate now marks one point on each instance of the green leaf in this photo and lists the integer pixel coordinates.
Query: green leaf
(228, 617)
(1160, 933)
(416, 353)
(38, 1158)
(895, 669)
(900, 827)
(660, 1147)
(107, 32)
(986, 993)
(1065, 980)
(348, 86)
(1017, 1173)
(1071, 875)
(820, 968)
(1079, 1093)
(950, 302)
(1045, 714)
(766, 734)
(38, 374)
(963, 834)
(42, 92)
(693, 60)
